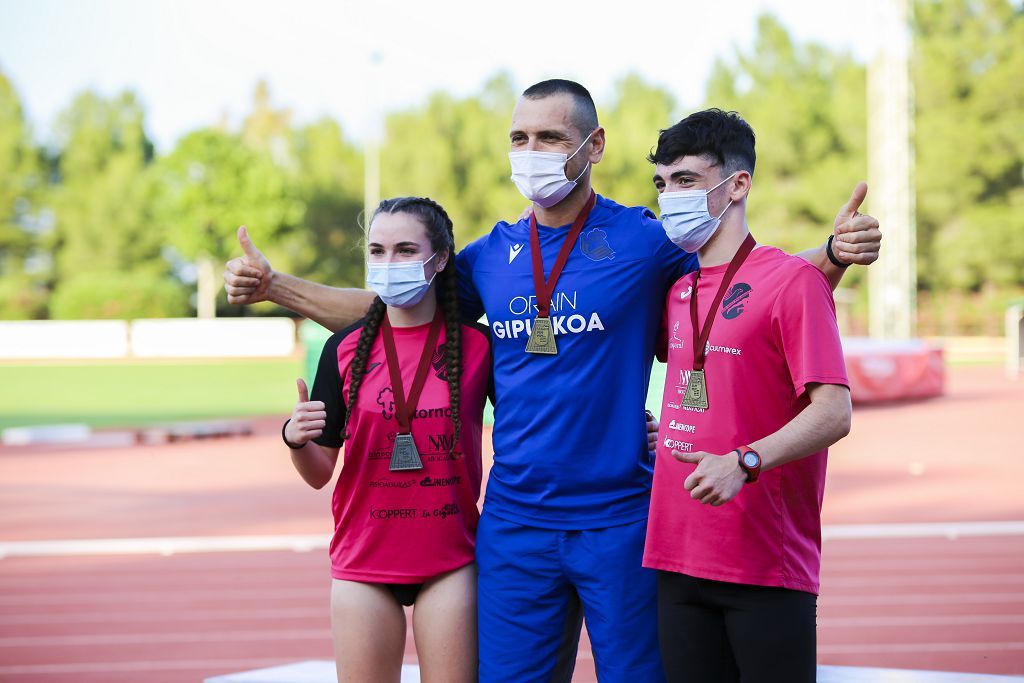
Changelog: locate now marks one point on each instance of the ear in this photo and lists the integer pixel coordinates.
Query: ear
(739, 186)
(597, 145)
(442, 259)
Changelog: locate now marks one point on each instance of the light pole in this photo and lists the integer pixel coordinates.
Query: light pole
(892, 280)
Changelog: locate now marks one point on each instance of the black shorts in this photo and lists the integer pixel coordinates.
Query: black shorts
(405, 593)
(718, 631)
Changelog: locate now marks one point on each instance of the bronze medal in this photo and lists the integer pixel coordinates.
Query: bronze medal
(542, 338)
(696, 395)
(405, 456)
(542, 335)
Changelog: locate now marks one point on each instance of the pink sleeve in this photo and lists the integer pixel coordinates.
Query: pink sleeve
(804, 325)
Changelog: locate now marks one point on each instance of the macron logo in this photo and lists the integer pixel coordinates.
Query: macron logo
(513, 251)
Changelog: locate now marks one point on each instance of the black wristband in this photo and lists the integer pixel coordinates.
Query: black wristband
(832, 257)
(284, 438)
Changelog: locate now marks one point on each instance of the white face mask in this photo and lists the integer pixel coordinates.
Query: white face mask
(685, 217)
(400, 284)
(540, 176)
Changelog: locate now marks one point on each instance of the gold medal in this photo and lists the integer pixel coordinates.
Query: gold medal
(542, 338)
(696, 395)
(404, 456)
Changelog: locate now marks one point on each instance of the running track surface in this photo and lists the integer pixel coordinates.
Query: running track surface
(923, 603)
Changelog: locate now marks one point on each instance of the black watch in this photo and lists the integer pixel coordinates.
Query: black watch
(284, 438)
(831, 255)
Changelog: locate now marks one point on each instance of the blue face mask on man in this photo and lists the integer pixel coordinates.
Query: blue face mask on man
(686, 219)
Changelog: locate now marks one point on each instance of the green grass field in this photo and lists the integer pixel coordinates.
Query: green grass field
(122, 394)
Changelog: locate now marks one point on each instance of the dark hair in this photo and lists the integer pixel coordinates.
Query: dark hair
(584, 115)
(441, 235)
(715, 134)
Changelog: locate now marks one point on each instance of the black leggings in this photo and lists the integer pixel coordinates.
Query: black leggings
(716, 632)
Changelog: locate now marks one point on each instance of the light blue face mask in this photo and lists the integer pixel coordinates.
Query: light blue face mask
(401, 284)
(686, 219)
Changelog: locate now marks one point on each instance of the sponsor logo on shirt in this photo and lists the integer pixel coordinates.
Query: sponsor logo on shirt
(449, 510)
(684, 378)
(732, 305)
(443, 457)
(391, 483)
(564, 317)
(676, 445)
(440, 481)
(594, 245)
(675, 342)
(442, 442)
(728, 350)
(683, 296)
(386, 401)
(513, 251)
(371, 366)
(680, 427)
(437, 361)
(391, 514)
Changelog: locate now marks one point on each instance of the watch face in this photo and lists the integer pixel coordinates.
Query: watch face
(751, 459)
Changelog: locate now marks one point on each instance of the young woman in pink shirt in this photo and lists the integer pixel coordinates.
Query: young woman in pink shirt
(404, 390)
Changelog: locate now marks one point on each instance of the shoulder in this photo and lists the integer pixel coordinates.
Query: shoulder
(475, 332)
(788, 267)
(635, 216)
(501, 231)
(345, 340)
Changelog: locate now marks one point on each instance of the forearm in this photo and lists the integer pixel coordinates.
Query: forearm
(818, 258)
(314, 463)
(332, 307)
(822, 423)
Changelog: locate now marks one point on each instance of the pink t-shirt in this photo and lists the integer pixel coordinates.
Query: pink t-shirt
(404, 527)
(775, 333)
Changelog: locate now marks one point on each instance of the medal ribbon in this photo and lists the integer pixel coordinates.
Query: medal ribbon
(700, 336)
(404, 409)
(545, 289)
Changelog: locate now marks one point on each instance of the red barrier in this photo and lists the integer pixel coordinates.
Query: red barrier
(893, 370)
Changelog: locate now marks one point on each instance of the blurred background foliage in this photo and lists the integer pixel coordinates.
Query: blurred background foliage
(98, 225)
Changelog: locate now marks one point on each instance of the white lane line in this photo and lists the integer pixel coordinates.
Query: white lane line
(190, 615)
(835, 532)
(173, 545)
(935, 580)
(892, 648)
(945, 620)
(151, 666)
(136, 598)
(311, 635)
(169, 545)
(945, 599)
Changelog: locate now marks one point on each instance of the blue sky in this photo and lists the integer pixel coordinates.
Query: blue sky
(195, 62)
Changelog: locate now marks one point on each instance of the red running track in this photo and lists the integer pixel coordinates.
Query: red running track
(907, 603)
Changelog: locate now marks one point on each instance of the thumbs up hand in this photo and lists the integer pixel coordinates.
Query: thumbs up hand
(857, 238)
(247, 277)
(308, 419)
(717, 478)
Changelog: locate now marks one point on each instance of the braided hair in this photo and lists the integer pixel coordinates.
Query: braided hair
(440, 233)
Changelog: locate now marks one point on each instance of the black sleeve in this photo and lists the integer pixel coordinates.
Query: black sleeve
(327, 387)
(486, 331)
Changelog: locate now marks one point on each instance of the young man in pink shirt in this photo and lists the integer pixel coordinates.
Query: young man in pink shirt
(756, 393)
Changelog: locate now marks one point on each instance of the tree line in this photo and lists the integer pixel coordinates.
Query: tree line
(98, 225)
